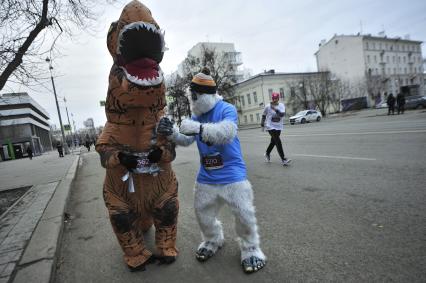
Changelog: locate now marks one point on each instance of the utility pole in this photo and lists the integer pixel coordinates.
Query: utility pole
(49, 60)
(64, 143)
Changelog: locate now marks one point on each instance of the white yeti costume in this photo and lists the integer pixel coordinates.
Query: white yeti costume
(215, 126)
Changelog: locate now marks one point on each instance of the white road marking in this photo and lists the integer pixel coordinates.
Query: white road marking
(338, 134)
(359, 133)
(335, 157)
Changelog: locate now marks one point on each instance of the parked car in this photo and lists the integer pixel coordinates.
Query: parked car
(306, 116)
(415, 102)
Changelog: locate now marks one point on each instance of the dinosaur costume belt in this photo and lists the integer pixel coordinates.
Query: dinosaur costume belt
(144, 166)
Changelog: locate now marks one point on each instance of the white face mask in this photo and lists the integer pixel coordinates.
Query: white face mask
(204, 103)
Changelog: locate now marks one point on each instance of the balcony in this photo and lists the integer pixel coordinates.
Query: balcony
(233, 58)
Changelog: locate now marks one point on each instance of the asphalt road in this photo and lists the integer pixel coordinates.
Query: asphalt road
(352, 208)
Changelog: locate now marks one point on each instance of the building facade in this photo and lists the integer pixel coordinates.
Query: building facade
(373, 65)
(23, 123)
(253, 94)
(230, 55)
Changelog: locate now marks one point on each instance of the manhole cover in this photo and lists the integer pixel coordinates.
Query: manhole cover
(8, 197)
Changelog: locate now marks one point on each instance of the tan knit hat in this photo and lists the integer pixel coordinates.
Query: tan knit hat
(203, 82)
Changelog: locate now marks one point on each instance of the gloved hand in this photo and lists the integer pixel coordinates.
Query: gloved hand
(190, 127)
(128, 160)
(155, 155)
(165, 127)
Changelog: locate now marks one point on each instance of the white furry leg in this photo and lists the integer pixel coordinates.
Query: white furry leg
(207, 205)
(239, 196)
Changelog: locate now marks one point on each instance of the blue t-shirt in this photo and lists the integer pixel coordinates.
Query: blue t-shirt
(234, 169)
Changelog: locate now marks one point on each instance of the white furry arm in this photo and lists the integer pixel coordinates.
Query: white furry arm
(180, 139)
(219, 133)
(189, 127)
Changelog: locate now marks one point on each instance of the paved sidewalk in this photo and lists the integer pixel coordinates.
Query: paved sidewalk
(30, 228)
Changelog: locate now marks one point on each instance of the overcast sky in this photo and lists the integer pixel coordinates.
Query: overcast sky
(281, 35)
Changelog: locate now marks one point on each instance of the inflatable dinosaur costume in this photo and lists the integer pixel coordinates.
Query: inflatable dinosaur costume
(129, 146)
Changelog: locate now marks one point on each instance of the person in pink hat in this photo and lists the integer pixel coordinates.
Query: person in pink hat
(272, 120)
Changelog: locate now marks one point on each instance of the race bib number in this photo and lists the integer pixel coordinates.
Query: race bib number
(144, 166)
(212, 162)
(143, 162)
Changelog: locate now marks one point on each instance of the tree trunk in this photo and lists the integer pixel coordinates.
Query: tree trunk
(17, 60)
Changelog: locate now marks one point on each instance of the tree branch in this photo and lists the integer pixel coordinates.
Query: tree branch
(17, 60)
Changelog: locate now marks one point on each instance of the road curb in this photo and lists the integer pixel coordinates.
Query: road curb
(39, 259)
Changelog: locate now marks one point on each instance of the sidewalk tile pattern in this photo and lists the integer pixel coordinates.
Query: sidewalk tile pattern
(17, 225)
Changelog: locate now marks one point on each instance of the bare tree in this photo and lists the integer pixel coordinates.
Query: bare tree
(375, 85)
(299, 95)
(179, 107)
(25, 25)
(319, 88)
(340, 89)
(221, 69)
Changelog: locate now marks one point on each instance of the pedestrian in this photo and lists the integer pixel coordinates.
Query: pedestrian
(400, 101)
(272, 120)
(88, 145)
(391, 104)
(222, 177)
(30, 152)
(140, 189)
(60, 149)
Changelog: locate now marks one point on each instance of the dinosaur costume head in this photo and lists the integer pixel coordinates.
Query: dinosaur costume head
(136, 44)
(136, 91)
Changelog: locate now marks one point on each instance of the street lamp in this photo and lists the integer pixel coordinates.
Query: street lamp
(65, 145)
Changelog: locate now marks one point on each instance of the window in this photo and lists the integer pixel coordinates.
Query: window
(375, 59)
(243, 102)
(248, 98)
(399, 59)
(389, 71)
(374, 45)
(415, 70)
(257, 117)
(393, 59)
(368, 59)
(366, 45)
(292, 91)
(405, 70)
(254, 97)
(251, 118)
(387, 59)
(270, 94)
(380, 45)
(403, 59)
(281, 93)
(245, 119)
(394, 71)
